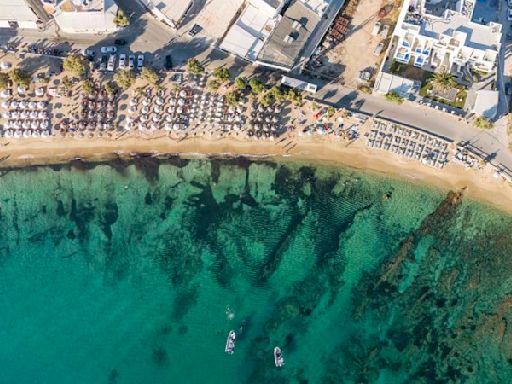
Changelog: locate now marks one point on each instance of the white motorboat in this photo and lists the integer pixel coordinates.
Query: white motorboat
(278, 357)
(230, 343)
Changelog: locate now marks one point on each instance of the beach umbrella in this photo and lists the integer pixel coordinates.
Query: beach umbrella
(172, 101)
(36, 133)
(176, 126)
(32, 105)
(168, 118)
(183, 93)
(22, 104)
(145, 110)
(41, 104)
(154, 126)
(17, 133)
(25, 125)
(156, 118)
(6, 115)
(133, 102)
(181, 102)
(14, 104)
(24, 115)
(144, 118)
(27, 133)
(168, 126)
(45, 124)
(33, 115)
(170, 110)
(179, 110)
(159, 101)
(5, 104)
(132, 109)
(157, 109)
(15, 114)
(145, 102)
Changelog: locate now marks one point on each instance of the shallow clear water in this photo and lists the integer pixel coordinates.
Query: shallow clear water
(135, 273)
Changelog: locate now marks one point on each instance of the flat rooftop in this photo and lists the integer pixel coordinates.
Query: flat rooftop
(173, 9)
(479, 36)
(16, 10)
(290, 36)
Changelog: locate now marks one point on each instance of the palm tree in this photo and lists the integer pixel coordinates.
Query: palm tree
(443, 80)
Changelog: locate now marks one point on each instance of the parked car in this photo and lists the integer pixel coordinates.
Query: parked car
(108, 49)
(89, 53)
(120, 42)
(103, 63)
(378, 49)
(168, 62)
(131, 61)
(509, 15)
(111, 63)
(195, 30)
(510, 3)
(140, 61)
(122, 61)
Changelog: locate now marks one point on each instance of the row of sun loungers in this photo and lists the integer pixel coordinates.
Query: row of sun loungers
(409, 143)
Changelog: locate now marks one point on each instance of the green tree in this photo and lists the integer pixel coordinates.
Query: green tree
(75, 64)
(221, 73)
(294, 96)
(394, 97)
(257, 86)
(483, 123)
(214, 84)
(4, 80)
(20, 77)
(67, 83)
(277, 93)
(120, 19)
(240, 84)
(125, 78)
(194, 67)
(110, 87)
(233, 98)
(267, 99)
(87, 86)
(443, 80)
(150, 75)
(331, 111)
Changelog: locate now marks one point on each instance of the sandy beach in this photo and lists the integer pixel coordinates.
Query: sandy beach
(480, 185)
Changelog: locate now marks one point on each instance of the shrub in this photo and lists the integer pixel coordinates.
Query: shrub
(125, 78)
(257, 86)
(19, 77)
(120, 19)
(233, 98)
(87, 87)
(394, 97)
(194, 67)
(4, 80)
(221, 73)
(240, 84)
(483, 123)
(214, 84)
(150, 75)
(75, 64)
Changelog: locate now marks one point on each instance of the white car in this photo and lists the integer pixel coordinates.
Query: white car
(122, 61)
(509, 15)
(510, 3)
(140, 61)
(111, 63)
(131, 61)
(108, 49)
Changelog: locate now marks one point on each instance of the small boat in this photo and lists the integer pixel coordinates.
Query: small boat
(230, 343)
(278, 357)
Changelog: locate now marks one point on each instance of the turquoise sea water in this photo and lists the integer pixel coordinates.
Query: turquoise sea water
(135, 273)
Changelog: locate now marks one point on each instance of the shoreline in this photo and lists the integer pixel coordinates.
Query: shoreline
(478, 185)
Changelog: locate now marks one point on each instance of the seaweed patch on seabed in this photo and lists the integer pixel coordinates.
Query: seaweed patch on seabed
(448, 320)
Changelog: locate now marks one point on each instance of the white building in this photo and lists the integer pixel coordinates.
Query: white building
(17, 14)
(280, 33)
(255, 24)
(446, 39)
(86, 16)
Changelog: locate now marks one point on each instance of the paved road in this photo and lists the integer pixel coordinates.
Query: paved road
(146, 34)
(418, 116)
